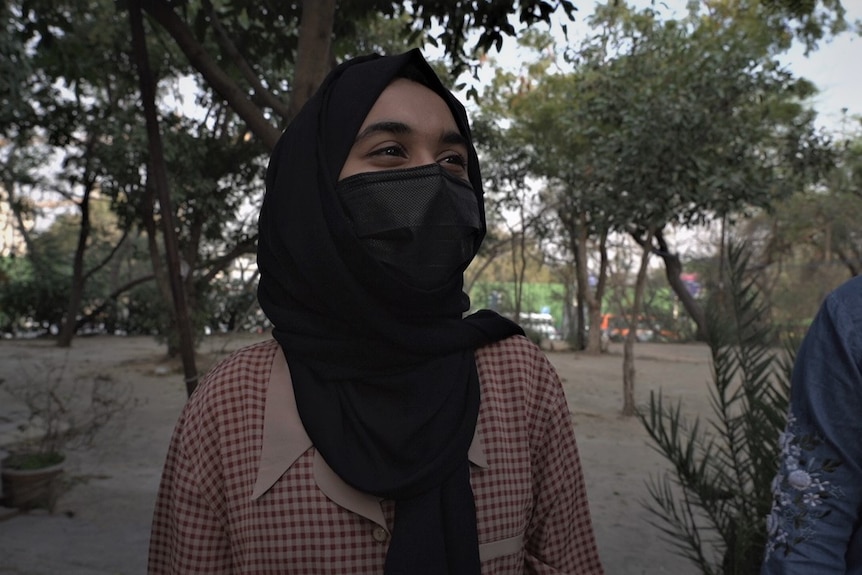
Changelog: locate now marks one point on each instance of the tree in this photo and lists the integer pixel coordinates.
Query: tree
(515, 213)
(157, 178)
(59, 113)
(253, 42)
(257, 64)
(537, 116)
(630, 138)
(248, 34)
(71, 132)
(826, 217)
(87, 117)
(810, 242)
(676, 165)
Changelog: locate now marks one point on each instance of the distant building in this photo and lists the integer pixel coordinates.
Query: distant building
(11, 242)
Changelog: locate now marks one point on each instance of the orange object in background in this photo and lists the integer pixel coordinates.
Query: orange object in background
(616, 328)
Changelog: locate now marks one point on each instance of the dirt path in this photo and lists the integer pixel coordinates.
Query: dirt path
(101, 525)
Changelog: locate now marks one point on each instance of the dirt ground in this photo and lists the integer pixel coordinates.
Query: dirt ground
(101, 524)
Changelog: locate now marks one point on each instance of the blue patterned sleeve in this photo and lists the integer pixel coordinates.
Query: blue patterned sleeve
(816, 521)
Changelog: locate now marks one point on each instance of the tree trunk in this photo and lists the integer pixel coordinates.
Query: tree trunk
(519, 263)
(595, 295)
(631, 337)
(15, 207)
(110, 304)
(570, 321)
(595, 341)
(629, 373)
(157, 170)
(582, 275)
(79, 278)
(673, 270)
(147, 209)
(589, 308)
(581, 313)
(313, 58)
(519, 266)
(490, 252)
(76, 293)
(851, 259)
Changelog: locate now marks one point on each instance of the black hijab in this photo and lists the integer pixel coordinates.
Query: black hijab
(384, 374)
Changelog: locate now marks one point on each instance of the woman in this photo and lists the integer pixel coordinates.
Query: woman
(381, 431)
(816, 521)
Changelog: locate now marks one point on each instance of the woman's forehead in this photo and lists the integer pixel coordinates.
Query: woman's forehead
(411, 103)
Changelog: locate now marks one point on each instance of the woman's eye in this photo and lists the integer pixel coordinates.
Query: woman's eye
(454, 159)
(389, 151)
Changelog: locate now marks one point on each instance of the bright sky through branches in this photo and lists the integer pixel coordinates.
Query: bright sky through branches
(835, 67)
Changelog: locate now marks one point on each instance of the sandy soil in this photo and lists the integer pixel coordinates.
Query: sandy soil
(101, 524)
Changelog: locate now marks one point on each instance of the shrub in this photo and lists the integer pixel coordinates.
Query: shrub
(713, 503)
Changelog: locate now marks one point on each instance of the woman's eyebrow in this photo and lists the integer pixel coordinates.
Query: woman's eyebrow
(398, 128)
(452, 137)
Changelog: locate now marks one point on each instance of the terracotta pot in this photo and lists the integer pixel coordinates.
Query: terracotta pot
(31, 488)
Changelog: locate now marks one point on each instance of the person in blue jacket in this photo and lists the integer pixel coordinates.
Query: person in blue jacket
(815, 526)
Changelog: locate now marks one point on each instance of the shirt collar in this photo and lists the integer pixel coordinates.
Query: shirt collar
(285, 440)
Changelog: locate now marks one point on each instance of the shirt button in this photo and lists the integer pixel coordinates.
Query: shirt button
(379, 534)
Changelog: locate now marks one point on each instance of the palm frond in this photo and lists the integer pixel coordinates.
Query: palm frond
(713, 502)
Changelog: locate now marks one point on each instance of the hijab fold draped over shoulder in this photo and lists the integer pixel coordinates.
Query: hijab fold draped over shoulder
(384, 373)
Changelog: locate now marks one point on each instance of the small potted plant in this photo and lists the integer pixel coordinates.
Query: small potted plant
(62, 414)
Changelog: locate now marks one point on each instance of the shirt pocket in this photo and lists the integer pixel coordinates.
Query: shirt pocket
(501, 547)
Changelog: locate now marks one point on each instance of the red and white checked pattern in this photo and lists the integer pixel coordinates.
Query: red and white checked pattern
(206, 522)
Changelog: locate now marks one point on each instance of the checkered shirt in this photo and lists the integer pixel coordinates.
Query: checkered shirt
(531, 503)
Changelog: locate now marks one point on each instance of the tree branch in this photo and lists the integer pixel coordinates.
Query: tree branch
(265, 97)
(220, 263)
(220, 82)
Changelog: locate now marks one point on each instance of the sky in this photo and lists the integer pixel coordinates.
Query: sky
(836, 69)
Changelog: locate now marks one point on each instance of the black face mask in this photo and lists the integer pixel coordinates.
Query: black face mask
(419, 222)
